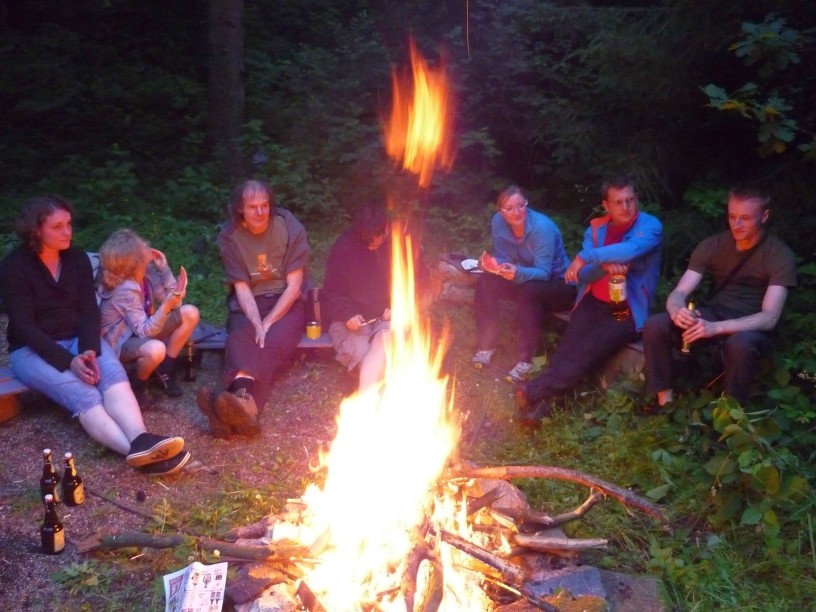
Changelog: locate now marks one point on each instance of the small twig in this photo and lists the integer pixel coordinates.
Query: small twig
(541, 518)
(125, 506)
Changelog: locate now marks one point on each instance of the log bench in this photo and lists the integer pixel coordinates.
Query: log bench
(456, 286)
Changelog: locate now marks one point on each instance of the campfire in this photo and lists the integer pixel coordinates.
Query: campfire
(396, 521)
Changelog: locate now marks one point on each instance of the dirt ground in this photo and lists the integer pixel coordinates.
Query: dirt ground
(296, 423)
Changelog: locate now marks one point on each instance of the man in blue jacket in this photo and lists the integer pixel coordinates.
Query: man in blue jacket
(625, 241)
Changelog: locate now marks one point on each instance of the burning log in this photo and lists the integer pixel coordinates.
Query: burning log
(511, 472)
(525, 515)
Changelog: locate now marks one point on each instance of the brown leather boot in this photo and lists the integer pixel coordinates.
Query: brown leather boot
(239, 411)
(207, 399)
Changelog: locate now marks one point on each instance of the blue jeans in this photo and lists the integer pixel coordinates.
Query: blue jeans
(64, 387)
(592, 336)
(532, 299)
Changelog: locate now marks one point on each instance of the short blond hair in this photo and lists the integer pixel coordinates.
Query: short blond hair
(120, 257)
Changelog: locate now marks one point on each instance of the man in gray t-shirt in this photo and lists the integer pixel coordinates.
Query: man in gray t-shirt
(752, 271)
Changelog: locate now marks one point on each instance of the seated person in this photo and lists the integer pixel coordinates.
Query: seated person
(143, 318)
(265, 252)
(528, 247)
(752, 270)
(357, 294)
(55, 346)
(624, 241)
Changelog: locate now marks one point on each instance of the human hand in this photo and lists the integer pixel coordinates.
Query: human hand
(260, 333)
(571, 275)
(615, 268)
(355, 322)
(700, 329)
(86, 368)
(507, 271)
(172, 301)
(386, 316)
(159, 259)
(685, 318)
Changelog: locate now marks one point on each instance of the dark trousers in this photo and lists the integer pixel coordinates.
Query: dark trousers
(741, 354)
(532, 300)
(592, 336)
(243, 354)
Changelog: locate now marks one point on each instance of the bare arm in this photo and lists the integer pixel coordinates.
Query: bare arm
(676, 303)
(294, 283)
(764, 320)
(247, 303)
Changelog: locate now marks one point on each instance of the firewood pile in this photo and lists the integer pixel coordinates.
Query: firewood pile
(513, 547)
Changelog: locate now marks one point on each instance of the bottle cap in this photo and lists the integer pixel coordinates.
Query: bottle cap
(48, 497)
(68, 455)
(46, 451)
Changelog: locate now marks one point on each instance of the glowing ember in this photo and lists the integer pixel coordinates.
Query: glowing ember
(417, 133)
(381, 491)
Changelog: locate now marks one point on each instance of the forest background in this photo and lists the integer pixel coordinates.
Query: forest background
(145, 113)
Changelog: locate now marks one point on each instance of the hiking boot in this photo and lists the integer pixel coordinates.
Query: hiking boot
(239, 411)
(167, 466)
(482, 358)
(207, 398)
(519, 373)
(150, 448)
(165, 378)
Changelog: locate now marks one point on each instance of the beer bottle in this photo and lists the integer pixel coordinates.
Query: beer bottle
(73, 491)
(617, 297)
(52, 533)
(50, 479)
(189, 365)
(685, 347)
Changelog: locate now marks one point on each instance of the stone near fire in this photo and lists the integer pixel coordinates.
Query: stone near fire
(251, 582)
(582, 580)
(279, 598)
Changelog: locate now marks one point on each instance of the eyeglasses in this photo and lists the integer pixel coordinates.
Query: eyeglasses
(625, 202)
(513, 209)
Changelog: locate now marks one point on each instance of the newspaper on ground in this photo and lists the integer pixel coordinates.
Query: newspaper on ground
(196, 588)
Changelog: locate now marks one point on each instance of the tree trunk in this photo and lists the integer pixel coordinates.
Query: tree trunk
(226, 96)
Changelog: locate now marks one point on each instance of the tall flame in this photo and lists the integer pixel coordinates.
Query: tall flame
(417, 133)
(392, 444)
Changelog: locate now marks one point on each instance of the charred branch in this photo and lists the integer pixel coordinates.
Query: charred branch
(524, 515)
(511, 472)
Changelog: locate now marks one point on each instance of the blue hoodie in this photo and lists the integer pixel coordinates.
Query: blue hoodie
(640, 248)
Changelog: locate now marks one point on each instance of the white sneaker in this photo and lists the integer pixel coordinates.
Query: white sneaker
(520, 372)
(482, 358)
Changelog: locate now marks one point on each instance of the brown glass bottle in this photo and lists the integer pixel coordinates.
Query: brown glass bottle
(73, 491)
(617, 297)
(52, 533)
(189, 362)
(49, 483)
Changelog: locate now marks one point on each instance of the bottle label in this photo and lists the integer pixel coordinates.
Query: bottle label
(79, 494)
(59, 540)
(617, 292)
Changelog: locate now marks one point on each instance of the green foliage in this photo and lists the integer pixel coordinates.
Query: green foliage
(773, 49)
(89, 577)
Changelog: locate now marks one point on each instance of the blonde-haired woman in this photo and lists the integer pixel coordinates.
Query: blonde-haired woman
(143, 317)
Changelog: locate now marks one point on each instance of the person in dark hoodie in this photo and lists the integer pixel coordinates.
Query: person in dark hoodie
(265, 252)
(357, 294)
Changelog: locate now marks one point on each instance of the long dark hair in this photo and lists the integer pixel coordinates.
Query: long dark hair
(33, 215)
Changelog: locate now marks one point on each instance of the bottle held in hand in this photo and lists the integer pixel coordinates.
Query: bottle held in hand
(49, 482)
(52, 533)
(685, 347)
(73, 491)
(617, 297)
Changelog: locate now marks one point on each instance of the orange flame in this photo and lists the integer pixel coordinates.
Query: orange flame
(392, 444)
(418, 133)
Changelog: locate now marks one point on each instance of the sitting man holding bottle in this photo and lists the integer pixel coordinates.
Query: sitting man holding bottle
(617, 269)
(752, 271)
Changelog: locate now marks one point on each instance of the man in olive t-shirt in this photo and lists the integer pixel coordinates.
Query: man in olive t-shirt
(752, 271)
